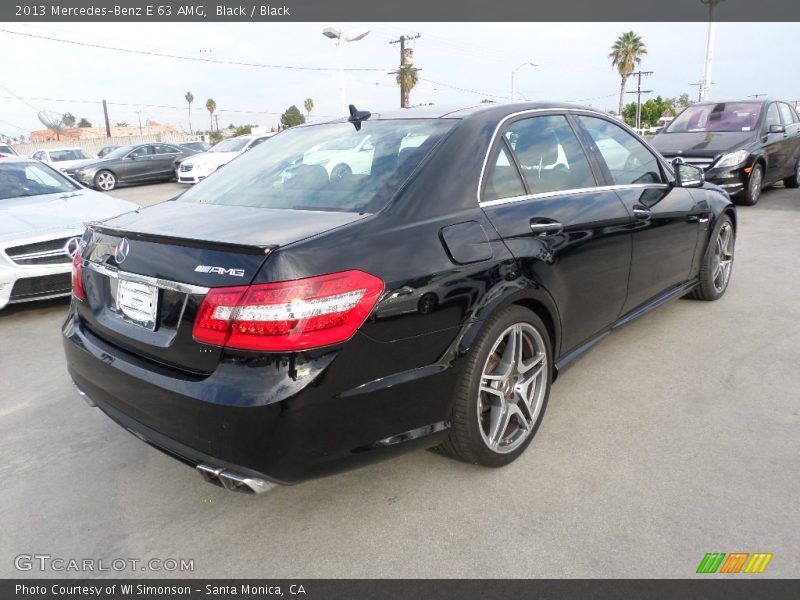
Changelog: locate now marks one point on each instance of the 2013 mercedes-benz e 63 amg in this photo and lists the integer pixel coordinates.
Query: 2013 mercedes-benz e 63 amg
(275, 323)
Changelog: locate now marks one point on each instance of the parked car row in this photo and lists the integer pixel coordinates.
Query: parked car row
(196, 168)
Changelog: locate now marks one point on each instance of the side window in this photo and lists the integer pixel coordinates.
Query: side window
(628, 160)
(38, 155)
(549, 154)
(143, 151)
(503, 180)
(256, 142)
(773, 117)
(786, 113)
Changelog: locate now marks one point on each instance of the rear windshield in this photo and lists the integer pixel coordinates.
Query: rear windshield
(74, 154)
(329, 167)
(232, 145)
(20, 179)
(723, 116)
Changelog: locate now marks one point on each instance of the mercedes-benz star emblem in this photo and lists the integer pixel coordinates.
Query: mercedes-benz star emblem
(72, 246)
(121, 251)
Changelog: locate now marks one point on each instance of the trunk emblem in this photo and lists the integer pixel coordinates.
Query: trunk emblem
(219, 270)
(121, 251)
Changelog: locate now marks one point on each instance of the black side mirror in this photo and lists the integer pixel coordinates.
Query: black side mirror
(687, 175)
(777, 129)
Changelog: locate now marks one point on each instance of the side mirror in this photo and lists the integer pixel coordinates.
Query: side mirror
(131, 157)
(687, 175)
(777, 129)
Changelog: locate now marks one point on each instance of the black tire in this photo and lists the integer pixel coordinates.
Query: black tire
(793, 181)
(709, 288)
(752, 191)
(339, 172)
(465, 440)
(105, 181)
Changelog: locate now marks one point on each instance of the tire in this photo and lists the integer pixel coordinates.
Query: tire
(339, 172)
(105, 181)
(714, 274)
(472, 438)
(755, 183)
(793, 181)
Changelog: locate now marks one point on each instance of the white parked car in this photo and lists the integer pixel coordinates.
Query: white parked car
(198, 167)
(42, 216)
(63, 158)
(8, 150)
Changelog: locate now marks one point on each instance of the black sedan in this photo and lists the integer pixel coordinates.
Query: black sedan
(274, 324)
(138, 163)
(743, 146)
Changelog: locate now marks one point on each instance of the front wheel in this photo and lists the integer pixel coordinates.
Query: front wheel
(793, 181)
(754, 184)
(501, 398)
(715, 272)
(105, 180)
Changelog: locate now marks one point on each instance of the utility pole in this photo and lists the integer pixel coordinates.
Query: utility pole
(639, 91)
(406, 58)
(105, 115)
(139, 114)
(705, 83)
(216, 120)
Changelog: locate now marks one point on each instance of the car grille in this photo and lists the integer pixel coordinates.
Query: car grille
(186, 168)
(702, 162)
(51, 252)
(30, 288)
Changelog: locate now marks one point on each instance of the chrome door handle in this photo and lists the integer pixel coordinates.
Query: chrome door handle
(546, 228)
(641, 213)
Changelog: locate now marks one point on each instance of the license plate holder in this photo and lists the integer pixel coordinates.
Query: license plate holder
(138, 302)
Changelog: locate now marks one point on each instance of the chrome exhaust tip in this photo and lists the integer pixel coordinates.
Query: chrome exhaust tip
(234, 481)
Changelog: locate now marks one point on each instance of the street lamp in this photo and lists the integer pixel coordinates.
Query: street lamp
(705, 83)
(514, 72)
(352, 36)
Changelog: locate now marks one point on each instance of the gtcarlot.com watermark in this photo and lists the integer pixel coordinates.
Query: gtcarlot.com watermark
(58, 564)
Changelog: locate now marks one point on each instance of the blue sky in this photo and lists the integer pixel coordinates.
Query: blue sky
(572, 59)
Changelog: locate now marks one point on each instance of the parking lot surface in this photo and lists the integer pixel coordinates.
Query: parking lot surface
(676, 436)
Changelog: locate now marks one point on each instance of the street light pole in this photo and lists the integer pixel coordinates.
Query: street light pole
(352, 36)
(705, 84)
(514, 72)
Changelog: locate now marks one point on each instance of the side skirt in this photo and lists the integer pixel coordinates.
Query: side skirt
(672, 293)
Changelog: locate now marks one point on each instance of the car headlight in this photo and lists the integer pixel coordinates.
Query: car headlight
(732, 159)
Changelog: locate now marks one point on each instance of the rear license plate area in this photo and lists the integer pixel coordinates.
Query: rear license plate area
(137, 302)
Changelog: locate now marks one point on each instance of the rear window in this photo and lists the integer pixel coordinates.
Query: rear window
(72, 154)
(719, 117)
(327, 167)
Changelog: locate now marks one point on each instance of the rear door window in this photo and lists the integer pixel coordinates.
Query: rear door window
(503, 179)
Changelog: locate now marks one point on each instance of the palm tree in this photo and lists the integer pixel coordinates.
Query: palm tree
(406, 78)
(308, 104)
(190, 98)
(211, 106)
(626, 53)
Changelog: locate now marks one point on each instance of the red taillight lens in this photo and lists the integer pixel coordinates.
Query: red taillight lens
(77, 276)
(290, 315)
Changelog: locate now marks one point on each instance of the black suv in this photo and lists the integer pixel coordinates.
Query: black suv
(743, 146)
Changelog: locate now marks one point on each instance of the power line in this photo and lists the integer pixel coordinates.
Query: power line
(12, 125)
(180, 57)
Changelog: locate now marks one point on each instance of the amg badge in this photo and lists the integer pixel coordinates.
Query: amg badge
(219, 270)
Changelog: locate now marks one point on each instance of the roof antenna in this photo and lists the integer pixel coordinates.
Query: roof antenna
(356, 116)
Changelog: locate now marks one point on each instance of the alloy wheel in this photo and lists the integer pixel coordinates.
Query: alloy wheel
(755, 184)
(512, 388)
(106, 181)
(723, 257)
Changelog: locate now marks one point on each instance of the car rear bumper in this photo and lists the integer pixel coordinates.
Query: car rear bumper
(280, 418)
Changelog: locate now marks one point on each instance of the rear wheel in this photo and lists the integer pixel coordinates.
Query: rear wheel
(752, 191)
(105, 180)
(715, 272)
(501, 398)
(793, 181)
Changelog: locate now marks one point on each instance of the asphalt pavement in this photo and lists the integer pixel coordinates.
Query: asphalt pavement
(676, 436)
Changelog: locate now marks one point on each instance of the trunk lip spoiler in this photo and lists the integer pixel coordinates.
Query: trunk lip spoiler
(259, 249)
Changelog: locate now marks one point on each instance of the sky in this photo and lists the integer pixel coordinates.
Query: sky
(461, 64)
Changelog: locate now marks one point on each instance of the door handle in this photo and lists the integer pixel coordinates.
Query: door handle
(546, 227)
(642, 213)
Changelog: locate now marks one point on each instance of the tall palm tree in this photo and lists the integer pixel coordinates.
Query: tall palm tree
(190, 98)
(308, 104)
(407, 78)
(211, 106)
(626, 53)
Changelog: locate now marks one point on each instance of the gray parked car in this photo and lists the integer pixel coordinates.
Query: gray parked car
(140, 163)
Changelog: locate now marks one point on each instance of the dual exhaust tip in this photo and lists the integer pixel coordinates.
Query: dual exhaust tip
(234, 481)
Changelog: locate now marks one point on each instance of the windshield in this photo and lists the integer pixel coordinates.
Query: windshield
(18, 179)
(290, 172)
(720, 117)
(120, 152)
(73, 154)
(232, 145)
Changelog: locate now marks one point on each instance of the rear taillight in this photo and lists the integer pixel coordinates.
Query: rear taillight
(77, 276)
(290, 315)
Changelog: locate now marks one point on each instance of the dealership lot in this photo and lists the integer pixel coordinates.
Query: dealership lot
(674, 437)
